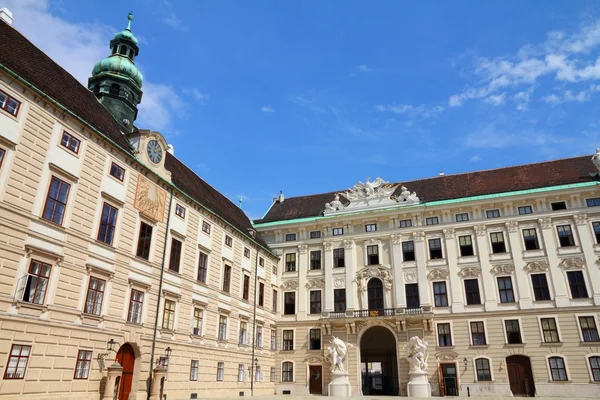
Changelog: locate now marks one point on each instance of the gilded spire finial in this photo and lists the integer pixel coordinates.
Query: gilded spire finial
(130, 18)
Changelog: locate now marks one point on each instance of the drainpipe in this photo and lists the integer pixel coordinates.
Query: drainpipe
(254, 325)
(160, 283)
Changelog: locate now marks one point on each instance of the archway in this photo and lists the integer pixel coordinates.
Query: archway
(126, 357)
(375, 295)
(520, 375)
(379, 362)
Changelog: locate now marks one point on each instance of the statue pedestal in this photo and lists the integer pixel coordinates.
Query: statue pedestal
(418, 385)
(339, 385)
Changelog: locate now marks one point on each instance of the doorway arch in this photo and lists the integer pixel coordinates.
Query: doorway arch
(379, 362)
(126, 357)
(520, 375)
(375, 294)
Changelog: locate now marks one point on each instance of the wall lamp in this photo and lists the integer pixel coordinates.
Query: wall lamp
(111, 346)
(466, 362)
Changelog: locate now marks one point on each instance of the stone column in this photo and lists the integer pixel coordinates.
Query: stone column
(455, 288)
(328, 265)
(561, 298)
(522, 281)
(491, 302)
(114, 371)
(586, 241)
(396, 262)
(350, 260)
(159, 374)
(303, 268)
(421, 258)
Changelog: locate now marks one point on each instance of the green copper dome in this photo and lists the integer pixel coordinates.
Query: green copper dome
(126, 33)
(118, 64)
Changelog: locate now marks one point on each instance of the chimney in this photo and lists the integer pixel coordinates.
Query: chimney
(171, 149)
(6, 15)
(281, 197)
(442, 173)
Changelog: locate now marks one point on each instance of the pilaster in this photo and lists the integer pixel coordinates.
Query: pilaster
(421, 258)
(525, 298)
(561, 298)
(328, 265)
(399, 300)
(350, 261)
(489, 291)
(455, 284)
(587, 245)
(303, 269)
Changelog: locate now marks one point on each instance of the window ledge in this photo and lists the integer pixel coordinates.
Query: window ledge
(200, 337)
(35, 306)
(173, 272)
(514, 345)
(590, 343)
(563, 382)
(552, 344)
(479, 346)
(95, 317)
(444, 347)
(134, 324)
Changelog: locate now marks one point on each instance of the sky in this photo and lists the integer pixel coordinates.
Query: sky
(310, 96)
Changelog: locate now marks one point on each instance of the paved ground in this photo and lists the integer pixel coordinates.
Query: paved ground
(309, 397)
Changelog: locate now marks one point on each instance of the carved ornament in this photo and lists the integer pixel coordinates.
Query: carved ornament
(536, 266)
(363, 277)
(446, 356)
(313, 360)
(348, 243)
(418, 236)
(545, 222)
(448, 233)
(480, 230)
(512, 226)
(302, 248)
(339, 282)
(315, 283)
(410, 276)
(572, 263)
(327, 245)
(289, 285)
(580, 219)
(373, 241)
(469, 272)
(438, 273)
(596, 159)
(361, 325)
(502, 269)
(396, 239)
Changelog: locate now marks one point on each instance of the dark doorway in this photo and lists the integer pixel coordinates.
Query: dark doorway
(375, 294)
(126, 357)
(448, 381)
(316, 379)
(379, 366)
(520, 376)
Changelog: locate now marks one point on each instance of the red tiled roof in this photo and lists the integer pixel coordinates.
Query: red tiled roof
(521, 177)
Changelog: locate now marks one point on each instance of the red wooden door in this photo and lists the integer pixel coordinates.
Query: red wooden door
(520, 376)
(316, 379)
(126, 358)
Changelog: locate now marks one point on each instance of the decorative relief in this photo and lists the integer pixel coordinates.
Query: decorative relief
(502, 269)
(418, 236)
(545, 222)
(512, 226)
(315, 283)
(446, 356)
(363, 277)
(480, 230)
(360, 325)
(469, 272)
(335, 205)
(410, 276)
(572, 263)
(372, 241)
(302, 248)
(150, 199)
(348, 243)
(313, 360)
(327, 245)
(289, 285)
(396, 239)
(536, 266)
(580, 219)
(339, 282)
(596, 159)
(448, 233)
(438, 273)
(369, 190)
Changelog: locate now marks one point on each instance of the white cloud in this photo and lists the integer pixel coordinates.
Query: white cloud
(496, 100)
(172, 20)
(196, 94)
(267, 109)
(364, 68)
(408, 109)
(159, 106)
(307, 103)
(569, 96)
(475, 158)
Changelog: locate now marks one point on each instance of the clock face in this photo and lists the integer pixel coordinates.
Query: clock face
(154, 151)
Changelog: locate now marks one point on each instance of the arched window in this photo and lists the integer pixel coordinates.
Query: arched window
(287, 371)
(558, 371)
(375, 294)
(482, 367)
(595, 367)
(114, 89)
(123, 50)
(97, 88)
(131, 53)
(114, 49)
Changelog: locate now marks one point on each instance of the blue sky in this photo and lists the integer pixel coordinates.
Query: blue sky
(312, 96)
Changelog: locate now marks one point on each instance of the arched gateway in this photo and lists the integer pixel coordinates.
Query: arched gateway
(379, 362)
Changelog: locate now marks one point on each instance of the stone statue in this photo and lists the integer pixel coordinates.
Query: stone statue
(377, 188)
(407, 196)
(337, 354)
(335, 205)
(596, 159)
(415, 354)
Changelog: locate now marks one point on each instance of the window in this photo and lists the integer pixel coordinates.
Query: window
(472, 291)
(589, 331)
(289, 303)
(180, 211)
(557, 369)
(226, 278)
(56, 201)
(596, 226)
(136, 305)
(220, 371)
(274, 300)
(412, 295)
(290, 237)
(37, 282)
(482, 365)
(228, 241)
(338, 231)
(273, 339)
(246, 289)
(435, 249)
(246, 252)
(577, 285)
(478, 333)
(440, 294)
(261, 262)
(17, 362)
(197, 322)
(257, 374)
(95, 294)
(549, 330)
(559, 205)
(8, 104)
(206, 227)
(169, 315)
(82, 367)
(315, 234)
(408, 251)
(315, 301)
(117, 172)
(406, 223)
(595, 367)
(338, 258)
(261, 294)
(2, 152)
(243, 335)
(595, 202)
(202, 267)
(108, 221)
(70, 142)
(339, 300)
(513, 331)
(290, 262)
(444, 335)
(315, 259)
(272, 374)
(505, 289)
(498, 245)
(370, 227)
(288, 340)
(492, 213)
(144, 241)
(222, 327)
(466, 246)
(462, 217)
(432, 220)
(194, 370)
(540, 287)
(373, 254)
(530, 239)
(287, 372)
(315, 339)
(525, 210)
(259, 337)
(565, 236)
(175, 256)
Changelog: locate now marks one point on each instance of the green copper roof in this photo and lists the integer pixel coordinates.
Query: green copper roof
(126, 33)
(120, 65)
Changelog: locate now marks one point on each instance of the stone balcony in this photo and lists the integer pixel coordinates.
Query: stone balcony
(397, 317)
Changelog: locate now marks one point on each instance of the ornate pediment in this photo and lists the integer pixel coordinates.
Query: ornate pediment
(446, 355)
(469, 272)
(362, 277)
(315, 283)
(572, 263)
(536, 266)
(313, 360)
(289, 285)
(438, 273)
(502, 269)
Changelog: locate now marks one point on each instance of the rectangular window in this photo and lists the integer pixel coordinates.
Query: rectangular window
(440, 294)
(17, 362)
(287, 372)
(272, 374)
(202, 267)
(261, 294)
(338, 231)
(241, 373)
(227, 278)
(462, 217)
(482, 365)
(408, 251)
(259, 337)
(540, 287)
(525, 210)
(70, 142)
(144, 241)
(315, 234)
(56, 201)
(466, 246)
(36, 284)
(220, 371)
(513, 331)
(169, 315)
(246, 252)
(222, 327)
(492, 213)
(194, 370)
(412, 295)
(444, 335)
(595, 367)
(315, 301)
(180, 211)
(557, 369)
(338, 258)
(549, 330)
(596, 226)
(257, 374)
(117, 172)
(261, 262)
(197, 322)
(531, 240)
(589, 330)
(108, 223)
(273, 339)
(228, 241)
(565, 236)
(290, 237)
(498, 245)
(478, 333)
(472, 291)
(432, 220)
(206, 227)
(175, 256)
(289, 303)
(370, 227)
(339, 300)
(274, 300)
(136, 305)
(373, 254)
(288, 340)
(82, 367)
(243, 335)
(577, 285)
(595, 202)
(406, 223)
(95, 295)
(290, 262)
(2, 153)
(559, 205)
(315, 339)
(246, 290)
(9, 104)
(435, 249)
(505, 289)
(315, 259)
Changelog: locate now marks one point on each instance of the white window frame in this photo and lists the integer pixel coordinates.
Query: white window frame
(207, 251)
(560, 337)
(589, 367)
(574, 232)
(227, 322)
(462, 213)
(464, 291)
(550, 380)
(504, 319)
(293, 370)
(335, 228)
(437, 339)
(507, 248)
(487, 340)
(442, 244)
(366, 244)
(550, 286)
(448, 293)
(310, 328)
(540, 240)
(241, 373)
(140, 286)
(579, 325)
(514, 289)
(485, 212)
(293, 341)
(432, 216)
(473, 244)
(478, 356)
(245, 342)
(523, 206)
(585, 281)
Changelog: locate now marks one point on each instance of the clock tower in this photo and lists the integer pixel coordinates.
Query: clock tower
(151, 148)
